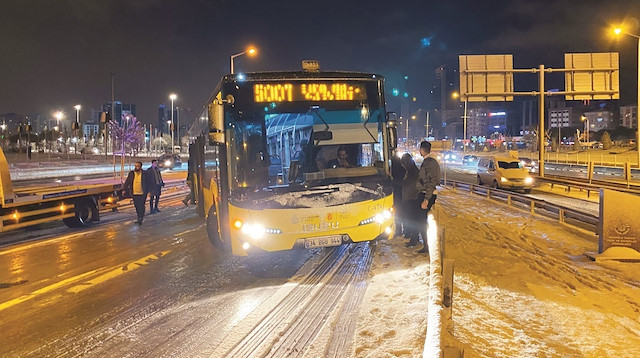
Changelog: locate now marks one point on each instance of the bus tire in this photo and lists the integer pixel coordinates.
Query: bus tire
(86, 211)
(213, 231)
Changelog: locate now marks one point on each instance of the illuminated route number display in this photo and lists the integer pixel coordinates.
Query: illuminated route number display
(294, 92)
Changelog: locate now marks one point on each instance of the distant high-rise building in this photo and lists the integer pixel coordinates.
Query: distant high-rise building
(629, 116)
(162, 119)
(119, 108)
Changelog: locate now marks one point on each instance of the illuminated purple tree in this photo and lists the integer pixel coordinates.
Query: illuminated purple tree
(127, 138)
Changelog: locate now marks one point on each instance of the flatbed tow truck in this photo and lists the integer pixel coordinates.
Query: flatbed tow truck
(77, 205)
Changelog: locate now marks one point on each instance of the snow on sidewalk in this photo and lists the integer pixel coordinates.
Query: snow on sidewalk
(392, 320)
(523, 287)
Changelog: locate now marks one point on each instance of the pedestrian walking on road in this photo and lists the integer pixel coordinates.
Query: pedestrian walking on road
(136, 187)
(155, 186)
(412, 214)
(428, 179)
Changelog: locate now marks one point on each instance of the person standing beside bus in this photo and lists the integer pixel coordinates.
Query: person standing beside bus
(155, 186)
(428, 179)
(397, 174)
(136, 187)
(410, 200)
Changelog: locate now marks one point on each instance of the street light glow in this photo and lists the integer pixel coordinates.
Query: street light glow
(252, 51)
(617, 31)
(59, 115)
(77, 107)
(173, 96)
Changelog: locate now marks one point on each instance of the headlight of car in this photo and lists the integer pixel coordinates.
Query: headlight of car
(528, 180)
(167, 163)
(503, 179)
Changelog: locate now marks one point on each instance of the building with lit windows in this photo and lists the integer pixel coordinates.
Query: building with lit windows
(599, 120)
(629, 116)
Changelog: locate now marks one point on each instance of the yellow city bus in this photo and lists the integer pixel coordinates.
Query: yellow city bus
(295, 160)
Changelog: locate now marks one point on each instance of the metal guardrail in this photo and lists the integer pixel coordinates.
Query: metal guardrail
(584, 185)
(562, 214)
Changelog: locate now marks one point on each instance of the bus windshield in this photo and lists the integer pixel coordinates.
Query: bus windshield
(280, 149)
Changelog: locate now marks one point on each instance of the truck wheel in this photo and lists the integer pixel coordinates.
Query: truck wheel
(86, 212)
(213, 231)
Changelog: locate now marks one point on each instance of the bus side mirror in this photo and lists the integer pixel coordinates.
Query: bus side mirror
(216, 119)
(392, 130)
(393, 137)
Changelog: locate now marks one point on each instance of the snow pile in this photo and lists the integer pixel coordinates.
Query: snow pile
(433, 342)
(336, 194)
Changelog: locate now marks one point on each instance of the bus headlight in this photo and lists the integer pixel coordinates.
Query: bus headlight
(528, 180)
(379, 218)
(255, 231)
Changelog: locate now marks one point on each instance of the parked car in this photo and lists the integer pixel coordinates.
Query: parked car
(504, 173)
(528, 163)
(469, 160)
(169, 161)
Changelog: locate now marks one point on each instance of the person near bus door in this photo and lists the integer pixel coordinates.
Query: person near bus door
(136, 186)
(155, 186)
(397, 175)
(410, 202)
(428, 179)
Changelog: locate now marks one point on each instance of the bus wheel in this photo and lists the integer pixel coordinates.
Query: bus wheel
(213, 231)
(86, 212)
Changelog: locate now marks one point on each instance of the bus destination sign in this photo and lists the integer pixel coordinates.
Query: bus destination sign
(314, 91)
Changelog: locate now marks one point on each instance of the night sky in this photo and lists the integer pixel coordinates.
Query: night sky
(59, 53)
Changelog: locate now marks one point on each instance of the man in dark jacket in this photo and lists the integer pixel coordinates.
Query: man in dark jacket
(155, 186)
(136, 187)
(397, 174)
(428, 179)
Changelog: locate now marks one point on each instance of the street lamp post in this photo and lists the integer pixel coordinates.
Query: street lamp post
(172, 97)
(169, 125)
(251, 51)
(3, 126)
(586, 132)
(59, 115)
(619, 31)
(75, 131)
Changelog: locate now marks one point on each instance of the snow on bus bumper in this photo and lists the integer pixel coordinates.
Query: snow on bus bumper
(255, 231)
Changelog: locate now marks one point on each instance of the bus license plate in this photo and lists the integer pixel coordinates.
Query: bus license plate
(323, 241)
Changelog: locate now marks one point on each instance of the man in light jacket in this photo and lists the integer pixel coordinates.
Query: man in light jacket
(136, 187)
(428, 179)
